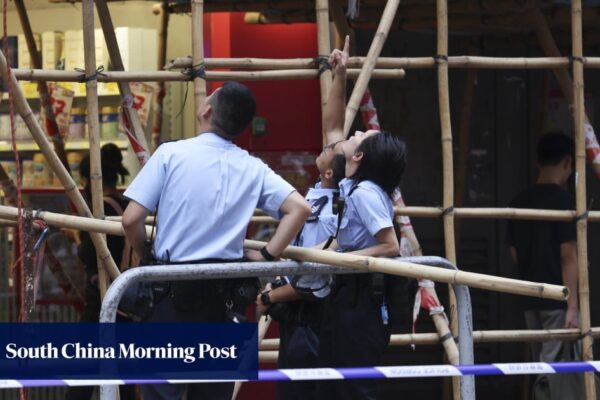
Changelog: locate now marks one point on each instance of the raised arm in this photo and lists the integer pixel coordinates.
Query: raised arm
(334, 113)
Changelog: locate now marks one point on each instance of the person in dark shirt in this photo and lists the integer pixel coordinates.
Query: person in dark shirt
(545, 251)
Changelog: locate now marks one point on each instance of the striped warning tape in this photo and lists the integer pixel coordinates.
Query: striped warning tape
(395, 372)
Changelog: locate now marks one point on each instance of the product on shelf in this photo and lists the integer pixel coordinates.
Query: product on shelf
(12, 57)
(41, 171)
(77, 124)
(109, 123)
(10, 167)
(53, 56)
(24, 57)
(74, 159)
(28, 171)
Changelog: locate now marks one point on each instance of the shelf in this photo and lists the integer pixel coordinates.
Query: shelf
(69, 146)
(104, 89)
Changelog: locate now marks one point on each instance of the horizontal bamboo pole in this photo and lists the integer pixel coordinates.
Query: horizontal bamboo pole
(367, 264)
(500, 336)
(395, 267)
(465, 61)
(163, 76)
(474, 213)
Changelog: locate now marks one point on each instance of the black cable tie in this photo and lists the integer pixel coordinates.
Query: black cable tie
(37, 214)
(94, 77)
(585, 215)
(445, 337)
(195, 71)
(323, 63)
(440, 57)
(573, 59)
(585, 334)
(447, 211)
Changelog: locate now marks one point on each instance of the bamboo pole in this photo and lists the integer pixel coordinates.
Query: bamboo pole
(93, 122)
(117, 64)
(447, 163)
(574, 91)
(367, 264)
(395, 267)
(580, 195)
(159, 76)
(65, 178)
(477, 213)
(198, 53)
(36, 62)
(478, 62)
(157, 116)
(324, 48)
(366, 71)
(498, 336)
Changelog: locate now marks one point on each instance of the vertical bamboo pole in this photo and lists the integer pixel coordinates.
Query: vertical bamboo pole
(93, 121)
(117, 65)
(574, 91)
(324, 48)
(157, 117)
(580, 193)
(342, 29)
(36, 62)
(362, 82)
(71, 190)
(447, 163)
(198, 54)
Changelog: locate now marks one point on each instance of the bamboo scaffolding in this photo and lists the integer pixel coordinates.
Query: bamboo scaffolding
(160, 76)
(366, 71)
(36, 62)
(324, 46)
(475, 213)
(117, 64)
(59, 170)
(465, 61)
(395, 267)
(497, 336)
(198, 53)
(447, 163)
(580, 196)
(93, 122)
(367, 264)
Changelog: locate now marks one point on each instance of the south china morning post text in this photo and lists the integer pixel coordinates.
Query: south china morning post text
(128, 351)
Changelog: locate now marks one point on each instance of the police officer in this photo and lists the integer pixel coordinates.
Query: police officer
(296, 300)
(354, 330)
(206, 190)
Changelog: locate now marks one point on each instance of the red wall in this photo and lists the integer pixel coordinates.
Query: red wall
(291, 107)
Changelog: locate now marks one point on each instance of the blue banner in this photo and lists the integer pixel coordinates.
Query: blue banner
(128, 351)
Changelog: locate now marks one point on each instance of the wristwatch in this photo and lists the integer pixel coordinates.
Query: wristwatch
(265, 299)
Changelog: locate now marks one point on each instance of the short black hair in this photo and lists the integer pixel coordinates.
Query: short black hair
(112, 165)
(338, 167)
(383, 161)
(553, 148)
(233, 108)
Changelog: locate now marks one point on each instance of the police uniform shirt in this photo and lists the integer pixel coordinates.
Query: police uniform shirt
(368, 210)
(206, 189)
(322, 223)
(317, 229)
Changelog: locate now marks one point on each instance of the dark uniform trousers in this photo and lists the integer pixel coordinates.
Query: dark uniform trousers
(298, 347)
(165, 311)
(352, 335)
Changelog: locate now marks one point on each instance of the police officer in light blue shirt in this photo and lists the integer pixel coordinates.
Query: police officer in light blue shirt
(206, 190)
(354, 330)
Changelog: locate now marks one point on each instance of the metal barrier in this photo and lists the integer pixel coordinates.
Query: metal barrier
(265, 269)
